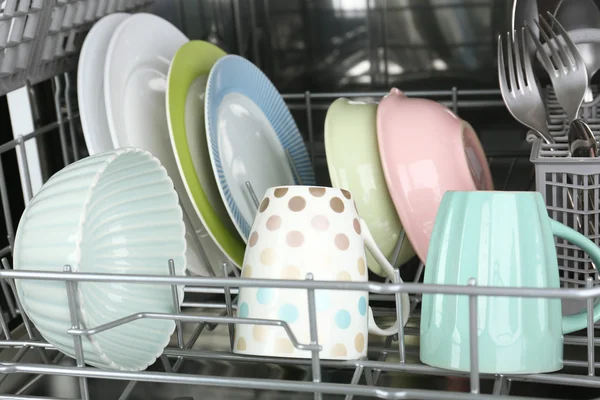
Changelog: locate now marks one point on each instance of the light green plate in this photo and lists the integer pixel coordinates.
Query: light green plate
(354, 164)
(185, 111)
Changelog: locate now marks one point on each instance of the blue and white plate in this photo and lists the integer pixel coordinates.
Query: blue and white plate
(250, 129)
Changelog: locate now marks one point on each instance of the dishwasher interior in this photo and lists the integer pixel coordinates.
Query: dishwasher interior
(314, 51)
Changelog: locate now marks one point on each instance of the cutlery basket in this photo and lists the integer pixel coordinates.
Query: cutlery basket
(571, 189)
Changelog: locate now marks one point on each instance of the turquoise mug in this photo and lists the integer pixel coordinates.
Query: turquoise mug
(500, 239)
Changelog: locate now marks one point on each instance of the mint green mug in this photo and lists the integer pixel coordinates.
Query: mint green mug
(500, 239)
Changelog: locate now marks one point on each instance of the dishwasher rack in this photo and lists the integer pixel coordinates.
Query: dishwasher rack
(209, 304)
(398, 354)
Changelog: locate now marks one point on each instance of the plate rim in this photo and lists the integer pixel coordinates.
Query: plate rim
(410, 226)
(299, 155)
(105, 27)
(170, 38)
(197, 51)
(330, 149)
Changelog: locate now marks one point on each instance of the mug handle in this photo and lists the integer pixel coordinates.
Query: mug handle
(389, 270)
(575, 322)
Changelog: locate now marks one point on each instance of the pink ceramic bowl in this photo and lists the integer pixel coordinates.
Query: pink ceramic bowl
(425, 151)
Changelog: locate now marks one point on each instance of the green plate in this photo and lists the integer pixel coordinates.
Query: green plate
(185, 112)
(355, 165)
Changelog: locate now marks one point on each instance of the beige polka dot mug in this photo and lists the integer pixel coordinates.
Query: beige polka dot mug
(299, 230)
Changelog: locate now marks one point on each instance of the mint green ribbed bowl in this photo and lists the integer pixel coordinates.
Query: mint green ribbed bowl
(117, 213)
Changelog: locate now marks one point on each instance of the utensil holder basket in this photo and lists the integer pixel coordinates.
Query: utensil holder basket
(570, 188)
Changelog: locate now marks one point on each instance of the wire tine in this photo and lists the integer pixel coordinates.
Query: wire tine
(502, 69)
(544, 58)
(511, 64)
(518, 64)
(553, 43)
(575, 55)
(527, 61)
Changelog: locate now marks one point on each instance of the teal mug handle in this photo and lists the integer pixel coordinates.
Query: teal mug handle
(575, 322)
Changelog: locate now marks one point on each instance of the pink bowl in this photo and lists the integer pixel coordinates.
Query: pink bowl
(426, 150)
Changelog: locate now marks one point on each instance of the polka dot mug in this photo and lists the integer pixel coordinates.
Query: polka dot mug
(299, 230)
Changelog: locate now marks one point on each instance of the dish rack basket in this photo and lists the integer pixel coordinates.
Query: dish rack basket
(28, 358)
(39, 37)
(571, 189)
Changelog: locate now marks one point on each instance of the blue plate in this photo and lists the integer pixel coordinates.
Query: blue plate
(249, 130)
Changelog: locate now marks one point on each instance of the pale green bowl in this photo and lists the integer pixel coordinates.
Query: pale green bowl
(117, 213)
(355, 165)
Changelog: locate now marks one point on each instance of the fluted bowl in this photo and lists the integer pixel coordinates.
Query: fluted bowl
(117, 213)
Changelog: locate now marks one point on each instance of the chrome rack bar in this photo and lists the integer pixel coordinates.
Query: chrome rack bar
(252, 194)
(400, 319)
(71, 290)
(40, 131)
(21, 148)
(416, 93)
(229, 309)
(309, 121)
(72, 131)
(59, 119)
(197, 241)
(26, 322)
(590, 330)
(473, 346)
(374, 287)
(272, 384)
(314, 341)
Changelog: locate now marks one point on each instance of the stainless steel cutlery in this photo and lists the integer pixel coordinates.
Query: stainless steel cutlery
(520, 91)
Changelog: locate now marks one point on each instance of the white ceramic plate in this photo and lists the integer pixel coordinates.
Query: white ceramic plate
(135, 82)
(90, 83)
(249, 129)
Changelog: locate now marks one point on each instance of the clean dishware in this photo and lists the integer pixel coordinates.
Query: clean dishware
(577, 16)
(569, 76)
(135, 82)
(90, 84)
(502, 239)
(254, 143)
(426, 150)
(521, 11)
(581, 139)
(571, 86)
(569, 80)
(186, 84)
(115, 213)
(300, 230)
(523, 100)
(355, 165)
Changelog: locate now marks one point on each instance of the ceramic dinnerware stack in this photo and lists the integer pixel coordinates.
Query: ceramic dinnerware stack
(184, 140)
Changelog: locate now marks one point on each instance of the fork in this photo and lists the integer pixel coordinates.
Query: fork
(522, 98)
(568, 72)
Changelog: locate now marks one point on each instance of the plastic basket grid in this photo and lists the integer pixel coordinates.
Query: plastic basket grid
(571, 190)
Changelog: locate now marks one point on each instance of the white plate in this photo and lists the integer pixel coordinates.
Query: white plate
(135, 81)
(90, 83)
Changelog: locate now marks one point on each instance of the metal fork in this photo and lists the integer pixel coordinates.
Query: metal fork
(522, 98)
(570, 82)
(569, 79)
(568, 72)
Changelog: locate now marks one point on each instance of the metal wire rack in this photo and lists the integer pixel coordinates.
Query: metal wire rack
(209, 308)
(205, 322)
